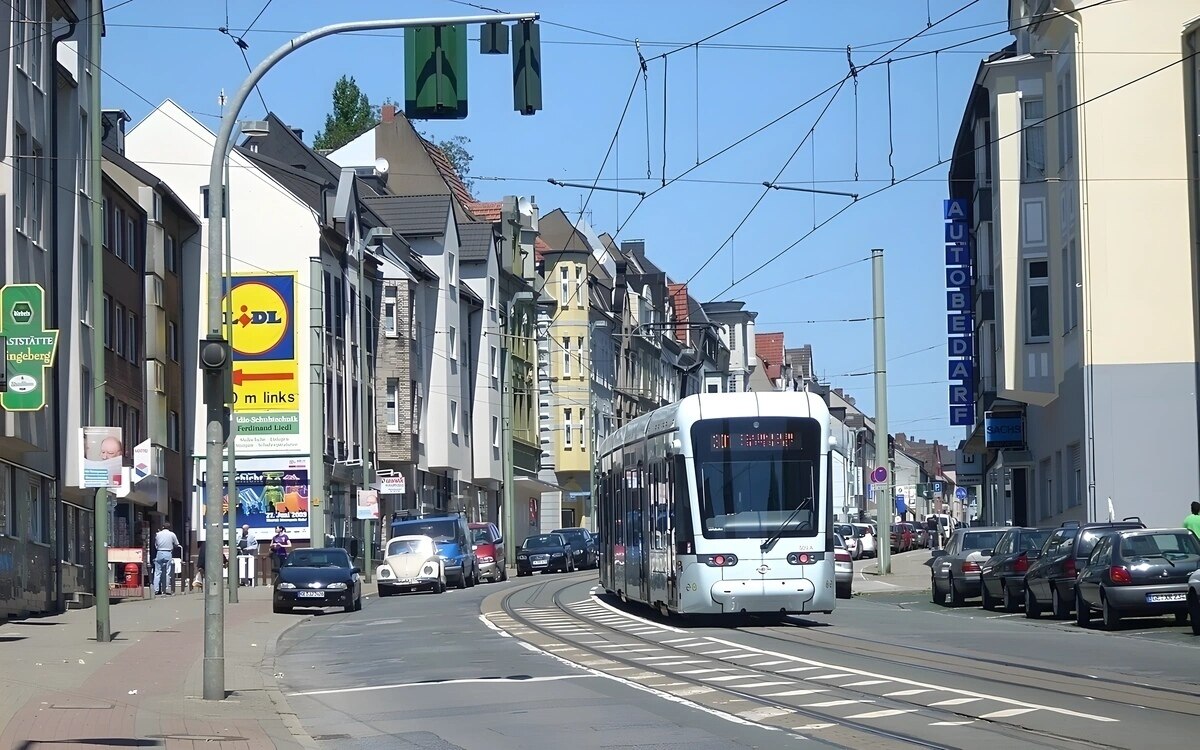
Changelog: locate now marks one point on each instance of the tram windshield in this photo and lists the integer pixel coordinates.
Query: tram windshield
(758, 476)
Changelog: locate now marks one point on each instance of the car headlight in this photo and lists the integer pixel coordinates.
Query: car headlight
(339, 586)
(556, 554)
(384, 572)
(522, 557)
(285, 585)
(487, 559)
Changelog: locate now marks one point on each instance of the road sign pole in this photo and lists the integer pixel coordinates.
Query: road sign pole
(883, 514)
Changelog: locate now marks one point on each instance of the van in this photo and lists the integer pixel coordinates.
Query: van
(450, 534)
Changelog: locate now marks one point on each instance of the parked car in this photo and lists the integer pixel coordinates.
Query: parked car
(1193, 600)
(324, 577)
(852, 536)
(1051, 579)
(902, 538)
(545, 552)
(410, 563)
(843, 567)
(489, 551)
(1002, 575)
(1137, 573)
(453, 539)
(955, 569)
(583, 547)
(920, 534)
(867, 539)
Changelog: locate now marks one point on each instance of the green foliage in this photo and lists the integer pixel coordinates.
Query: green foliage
(460, 158)
(352, 116)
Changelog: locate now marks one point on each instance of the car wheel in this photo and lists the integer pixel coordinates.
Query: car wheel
(1194, 611)
(1062, 610)
(1011, 601)
(956, 597)
(1181, 618)
(383, 592)
(1112, 618)
(462, 580)
(1033, 610)
(1083, 613)
(936, 594)
(988, 602)
(503, 573)
(843, 592)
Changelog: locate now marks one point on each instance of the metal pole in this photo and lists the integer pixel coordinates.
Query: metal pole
(214, 647)
(883, 515)
(97, 219)
(364, 441)
(234, 572)
(506, 409)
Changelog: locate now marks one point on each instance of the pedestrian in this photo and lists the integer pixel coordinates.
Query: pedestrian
(1192, 522)
(280, 544)
(246, 547)
(199, 581)
(165, 543)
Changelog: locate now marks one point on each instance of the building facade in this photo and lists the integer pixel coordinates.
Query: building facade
(1048, 210)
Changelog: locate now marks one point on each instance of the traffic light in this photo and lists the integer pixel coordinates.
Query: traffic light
(435, 72)
(493, 39)
(215, 362)
(527, 67)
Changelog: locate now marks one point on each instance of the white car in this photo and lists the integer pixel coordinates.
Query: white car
(843, 569)
(867, 539)
(1193, 600)
(411, 563)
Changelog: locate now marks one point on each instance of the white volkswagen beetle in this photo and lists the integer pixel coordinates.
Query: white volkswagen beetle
(411, 563)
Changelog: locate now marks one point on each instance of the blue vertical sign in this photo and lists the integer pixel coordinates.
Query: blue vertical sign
(960, 343)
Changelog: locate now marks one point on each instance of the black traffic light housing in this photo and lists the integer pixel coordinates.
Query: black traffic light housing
(216, 363)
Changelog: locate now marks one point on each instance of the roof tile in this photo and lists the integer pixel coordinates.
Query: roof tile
(769, 347)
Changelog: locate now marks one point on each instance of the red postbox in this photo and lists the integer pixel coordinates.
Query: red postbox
(133, 575)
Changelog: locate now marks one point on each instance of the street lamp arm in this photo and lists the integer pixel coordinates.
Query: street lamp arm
(216, 198)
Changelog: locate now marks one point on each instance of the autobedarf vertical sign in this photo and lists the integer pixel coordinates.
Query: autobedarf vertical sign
(959, 329)
(30, 348)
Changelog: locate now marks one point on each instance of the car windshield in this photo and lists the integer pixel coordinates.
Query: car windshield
(574, 537)
(845, 529)
(440, 531)
(482, 536)
(758, 476)
(318, 558)
(1033, 540)
(544, 541)
(981, 539)
(1171, 545)
(407, 547)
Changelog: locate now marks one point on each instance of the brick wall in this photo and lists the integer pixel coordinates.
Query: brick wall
(394, 360)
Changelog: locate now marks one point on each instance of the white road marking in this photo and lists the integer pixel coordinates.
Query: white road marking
(719, 651)
(685, 640)
(768, 663)
(789, 693)
(830, 676)
(955, 702)
(463, 681)
(695, 690)
(1017, 704)
(864, 683)
(628, 616)
(766, 712)
(884, 713)
(951, 723)
(728, 677)
(797, 669)
(771, 683)
(815, 726)
(1011, 712)
(701, 671)
(908, 692)
(831, 704)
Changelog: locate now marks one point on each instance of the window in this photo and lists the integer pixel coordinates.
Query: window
(453, 347)
(466, 426)
(1075, 495)
(172, 341)
(418, 412)
(173, 431)
(131, 337)
(118, 326)
(169, 251)
(39, 514)
(34, 32)
(580, 354)
(110, 410)
(453, 417)
(85, 283)
(85, 396)
(491, 298)
(1037, 299)
(133, 430)
(8, 503)
(580, 300)
(566, 346)
(495, 432)
(392, 405)
(1033, 113)
(389, 311)
(20, 174)
(493, 364)
(37, 183)
(106, 217)
(582, 429)
(564, 294)
(1070, 275)
(118, 233)
(567, 426)
(451, 269)
(131, 242)
(1066, 121)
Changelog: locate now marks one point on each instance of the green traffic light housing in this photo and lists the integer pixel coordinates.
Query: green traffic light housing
(493, 39)
(527, 67)
(435, 72)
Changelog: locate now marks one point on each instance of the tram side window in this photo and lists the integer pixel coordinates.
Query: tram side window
(681, 507)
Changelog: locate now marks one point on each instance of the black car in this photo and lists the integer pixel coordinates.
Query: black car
(583, 547)
(1138, 573)
(1051, 579)
(1003, 575)
(545, 552)
(318, 578)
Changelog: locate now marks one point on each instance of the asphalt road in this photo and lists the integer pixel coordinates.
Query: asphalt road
(557, 664)
(424, 671)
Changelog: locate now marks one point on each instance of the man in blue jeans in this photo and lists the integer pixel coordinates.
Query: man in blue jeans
(165, 543)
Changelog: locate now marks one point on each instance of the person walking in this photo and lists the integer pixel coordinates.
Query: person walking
(246, 547)
(165, 543)
(280, 544)
(1192, 522)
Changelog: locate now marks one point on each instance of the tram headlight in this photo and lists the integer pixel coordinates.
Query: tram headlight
(719, 561)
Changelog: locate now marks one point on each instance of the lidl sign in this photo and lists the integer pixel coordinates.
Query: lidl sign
(29, 349)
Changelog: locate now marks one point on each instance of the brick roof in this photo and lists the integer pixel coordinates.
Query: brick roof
(449, 174)
(540, 248)
(486, 210)
(769, 347)
(678, 295)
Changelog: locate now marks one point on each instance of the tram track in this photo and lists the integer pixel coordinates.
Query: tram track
(588, 647)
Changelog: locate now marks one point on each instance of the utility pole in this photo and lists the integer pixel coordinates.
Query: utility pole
(97, 218)
(364, 444)
(883, 515)
(235, 562)
(506, 410)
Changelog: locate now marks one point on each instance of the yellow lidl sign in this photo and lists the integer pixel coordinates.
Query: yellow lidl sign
(262, 335)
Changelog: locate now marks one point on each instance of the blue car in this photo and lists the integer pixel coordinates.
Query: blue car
(453, 539)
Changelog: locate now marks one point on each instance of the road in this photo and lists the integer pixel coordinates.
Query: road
(551, 662)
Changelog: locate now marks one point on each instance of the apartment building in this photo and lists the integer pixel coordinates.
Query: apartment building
(1079, 250)
(737, 334)
(45, 239)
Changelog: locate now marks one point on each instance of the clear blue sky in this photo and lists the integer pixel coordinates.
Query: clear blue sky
(747, 77)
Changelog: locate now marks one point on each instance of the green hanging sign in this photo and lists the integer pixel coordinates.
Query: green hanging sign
(29, 348)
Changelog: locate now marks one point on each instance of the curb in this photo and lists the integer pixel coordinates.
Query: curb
(282, 708)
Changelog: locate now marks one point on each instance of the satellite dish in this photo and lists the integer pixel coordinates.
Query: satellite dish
(382, 166)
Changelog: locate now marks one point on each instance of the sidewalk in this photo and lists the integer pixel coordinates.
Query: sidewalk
(143, 689)
(910, 572)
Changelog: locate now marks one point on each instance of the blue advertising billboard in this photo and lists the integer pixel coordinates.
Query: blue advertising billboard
(956, 213)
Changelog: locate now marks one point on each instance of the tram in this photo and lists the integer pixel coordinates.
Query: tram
(720, 504)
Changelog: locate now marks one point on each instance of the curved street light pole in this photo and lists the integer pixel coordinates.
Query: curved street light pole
(214, 612)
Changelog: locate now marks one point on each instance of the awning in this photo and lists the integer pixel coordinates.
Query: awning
(534, 485)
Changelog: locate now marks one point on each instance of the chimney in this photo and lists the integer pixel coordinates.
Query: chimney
(388, 113)
(299, 133)
(112, 123)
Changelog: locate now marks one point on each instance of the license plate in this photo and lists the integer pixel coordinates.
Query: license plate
(1155, 598)
(310, 594)
(539, 563)
(406, 580)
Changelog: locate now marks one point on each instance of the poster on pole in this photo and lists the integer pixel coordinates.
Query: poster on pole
(368, 505)
(102, 450)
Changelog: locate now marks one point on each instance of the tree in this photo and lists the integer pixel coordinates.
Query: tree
(352, 116)
(460, 158)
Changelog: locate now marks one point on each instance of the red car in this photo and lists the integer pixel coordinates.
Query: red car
(489, 550)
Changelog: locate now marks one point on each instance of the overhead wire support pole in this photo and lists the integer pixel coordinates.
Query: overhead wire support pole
(557, 183)
(883, 498)
(216, 357)
(773, 186)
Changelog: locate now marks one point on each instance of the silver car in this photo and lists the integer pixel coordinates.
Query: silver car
(955, 569)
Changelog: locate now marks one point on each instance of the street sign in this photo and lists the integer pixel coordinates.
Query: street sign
(937, 487)
(30, 347)
(901, 504)
(879, 475)
(961, 493)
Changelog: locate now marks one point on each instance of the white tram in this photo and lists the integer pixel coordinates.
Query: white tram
(720, 503)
